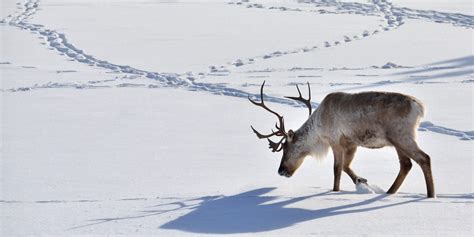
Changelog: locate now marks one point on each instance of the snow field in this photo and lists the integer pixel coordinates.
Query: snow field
(131, 117)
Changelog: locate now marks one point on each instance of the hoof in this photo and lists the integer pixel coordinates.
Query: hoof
(361, 180)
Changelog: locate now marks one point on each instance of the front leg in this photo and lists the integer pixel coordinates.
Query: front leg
(348, 157)
(338, 164)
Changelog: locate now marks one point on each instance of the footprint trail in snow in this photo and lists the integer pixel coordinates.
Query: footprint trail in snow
(393, 18)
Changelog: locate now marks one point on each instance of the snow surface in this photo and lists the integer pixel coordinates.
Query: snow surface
(127, 117)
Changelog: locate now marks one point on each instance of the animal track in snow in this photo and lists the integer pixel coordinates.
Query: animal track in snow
(396, 15)
(463, 135)
(375, 9)
(58, 41)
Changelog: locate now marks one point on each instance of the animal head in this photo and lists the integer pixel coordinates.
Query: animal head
(291, 143)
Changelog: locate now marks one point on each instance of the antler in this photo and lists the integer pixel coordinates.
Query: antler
(275, 146)
(300, 98)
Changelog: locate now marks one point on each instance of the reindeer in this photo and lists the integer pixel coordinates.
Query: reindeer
(346, 121)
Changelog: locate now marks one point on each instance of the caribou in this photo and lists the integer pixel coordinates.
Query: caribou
(343, 122)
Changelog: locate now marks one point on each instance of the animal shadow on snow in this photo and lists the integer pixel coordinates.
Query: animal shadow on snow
(248, 212)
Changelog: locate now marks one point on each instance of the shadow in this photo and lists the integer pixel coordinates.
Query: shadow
(254, 211)
(457, 63)
(468, 196)
(451, 68)
(462, 135)
(248, 213)
(453, 198)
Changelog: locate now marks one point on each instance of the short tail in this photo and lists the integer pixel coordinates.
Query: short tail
(418, 107)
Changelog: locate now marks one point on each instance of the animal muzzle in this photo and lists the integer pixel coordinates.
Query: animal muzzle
(283, 172)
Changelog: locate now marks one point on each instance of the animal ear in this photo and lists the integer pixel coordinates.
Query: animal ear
(291, 135)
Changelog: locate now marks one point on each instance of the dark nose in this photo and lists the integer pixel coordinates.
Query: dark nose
(282, 171)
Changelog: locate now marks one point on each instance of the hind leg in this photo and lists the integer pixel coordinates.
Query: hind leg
(424, 161)
(405, 166)
(412, 150)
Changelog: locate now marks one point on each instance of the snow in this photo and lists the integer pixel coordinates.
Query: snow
(364, 188)
(131, 117)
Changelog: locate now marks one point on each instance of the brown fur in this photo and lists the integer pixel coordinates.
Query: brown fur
(369, 119)
(345, 121)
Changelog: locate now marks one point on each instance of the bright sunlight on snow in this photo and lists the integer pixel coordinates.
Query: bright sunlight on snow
(127, 117)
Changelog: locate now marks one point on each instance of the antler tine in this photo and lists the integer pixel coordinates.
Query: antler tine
(275, 146)
(262, 103)
(278, 128)
(299, 92)
(281, 128)
(300, 98)
(260, 136)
